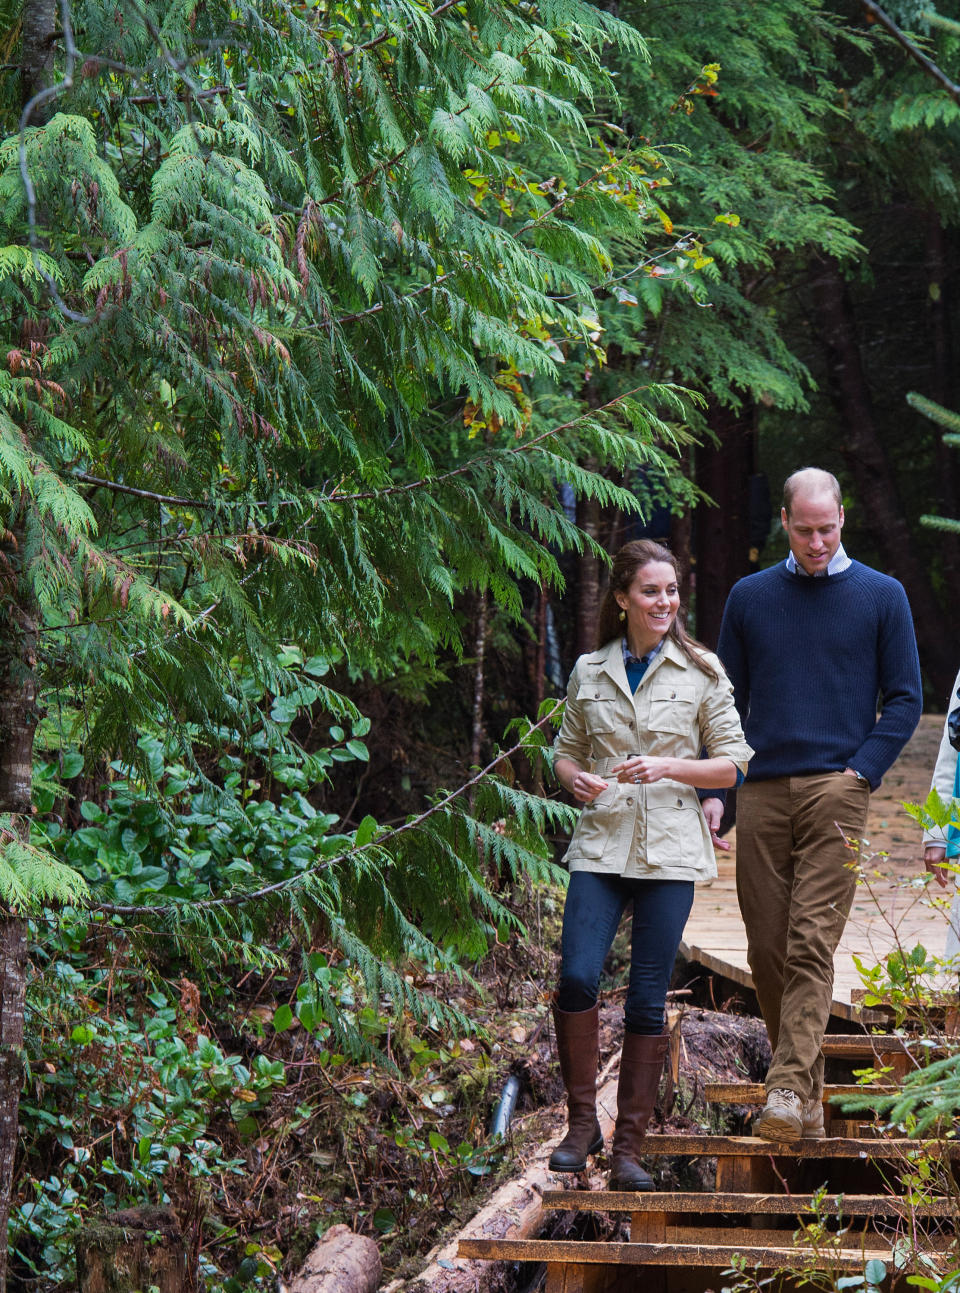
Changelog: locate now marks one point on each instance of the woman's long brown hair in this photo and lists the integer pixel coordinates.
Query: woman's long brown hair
(626, 563)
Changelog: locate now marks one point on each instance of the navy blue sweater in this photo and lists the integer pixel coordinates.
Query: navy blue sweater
(809, 659)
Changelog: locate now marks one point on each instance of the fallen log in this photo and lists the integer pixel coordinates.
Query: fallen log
(342, 1262)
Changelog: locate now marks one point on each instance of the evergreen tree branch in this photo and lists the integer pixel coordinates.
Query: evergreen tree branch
(475, 463)
(928, 65)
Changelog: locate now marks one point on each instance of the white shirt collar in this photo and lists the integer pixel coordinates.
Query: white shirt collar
(838, 563)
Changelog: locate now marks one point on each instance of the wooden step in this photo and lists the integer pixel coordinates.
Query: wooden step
(876, 1147)
(577, 1251)
(754, 1093)
(854, 1235)
(698, 1201)
(852, 1045)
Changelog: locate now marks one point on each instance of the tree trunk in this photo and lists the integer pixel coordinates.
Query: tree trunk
(480, 652)
(140, 1248)
(723, 540)
(943, 388)
(18, 719)
(37, 55)
(540, 652)
(588, 582)
(681, 541)
(867, 461)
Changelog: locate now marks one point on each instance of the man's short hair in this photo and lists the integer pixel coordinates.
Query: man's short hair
(812, 480)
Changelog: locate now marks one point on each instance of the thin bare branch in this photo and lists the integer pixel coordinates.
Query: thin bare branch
(928, 65)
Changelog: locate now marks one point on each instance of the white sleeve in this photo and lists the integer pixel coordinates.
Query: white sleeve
(945, 768)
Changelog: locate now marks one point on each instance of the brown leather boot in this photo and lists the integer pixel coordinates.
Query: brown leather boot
(578, 1046)
(641, 1063)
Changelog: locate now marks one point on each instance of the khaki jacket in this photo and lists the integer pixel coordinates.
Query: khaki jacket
(654, 831)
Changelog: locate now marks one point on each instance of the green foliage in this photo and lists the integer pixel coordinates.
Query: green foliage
(740, 188)
(935, 812)
(318, 291)
(121, 1101)
(142, 1091)
(946, 418)
(929, 1099)
(31, 876)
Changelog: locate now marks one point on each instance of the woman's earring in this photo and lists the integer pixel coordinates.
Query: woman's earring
(622, 616)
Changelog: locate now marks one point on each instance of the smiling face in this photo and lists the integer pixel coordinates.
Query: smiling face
(813, 527)
(651, 602)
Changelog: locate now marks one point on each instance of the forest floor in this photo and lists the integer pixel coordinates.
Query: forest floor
(402, 1155)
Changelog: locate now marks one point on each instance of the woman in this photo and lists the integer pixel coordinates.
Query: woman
(939, 846)
(639, 711)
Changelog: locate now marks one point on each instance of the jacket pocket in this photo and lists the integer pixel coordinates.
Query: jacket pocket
(598, 829)
(674, 826)
(673, 708)
(598, 704)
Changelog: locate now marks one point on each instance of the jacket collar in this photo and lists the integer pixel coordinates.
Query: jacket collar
(609, 660)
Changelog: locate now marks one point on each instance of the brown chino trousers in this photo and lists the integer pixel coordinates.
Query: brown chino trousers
(797, 849)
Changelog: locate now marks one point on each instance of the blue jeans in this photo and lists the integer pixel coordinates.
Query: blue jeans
(591, 916)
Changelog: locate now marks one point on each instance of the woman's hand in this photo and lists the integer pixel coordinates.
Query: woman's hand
(643, 768)
(713, 815)
(933, 856)
(585, 786)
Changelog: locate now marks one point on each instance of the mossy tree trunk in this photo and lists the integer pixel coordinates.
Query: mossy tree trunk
(140, 1248)
(18, 718)
(18, 695)
(37, 51)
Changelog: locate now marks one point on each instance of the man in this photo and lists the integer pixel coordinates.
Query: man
(810, 645)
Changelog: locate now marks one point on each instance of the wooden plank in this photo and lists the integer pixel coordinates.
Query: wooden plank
(881, 1149)
(576, 1278)
(745, 1172)
(629, 1254)
(698, 1201)
(935, 998)
(754, 1092)
(717, 1237)
(651, 1228)
(868, 1045)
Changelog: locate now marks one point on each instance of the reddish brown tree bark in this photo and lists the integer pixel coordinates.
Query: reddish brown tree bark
(681, 540)
(37, 54)
(588, 578)
(877, 491)
(722, 544)
(18, 718)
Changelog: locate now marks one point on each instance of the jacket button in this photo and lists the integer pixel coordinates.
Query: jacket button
(673, 695)
(630, 725)
(679, 803)
(630, 801)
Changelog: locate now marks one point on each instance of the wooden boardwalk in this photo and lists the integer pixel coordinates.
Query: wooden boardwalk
(885, 909)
